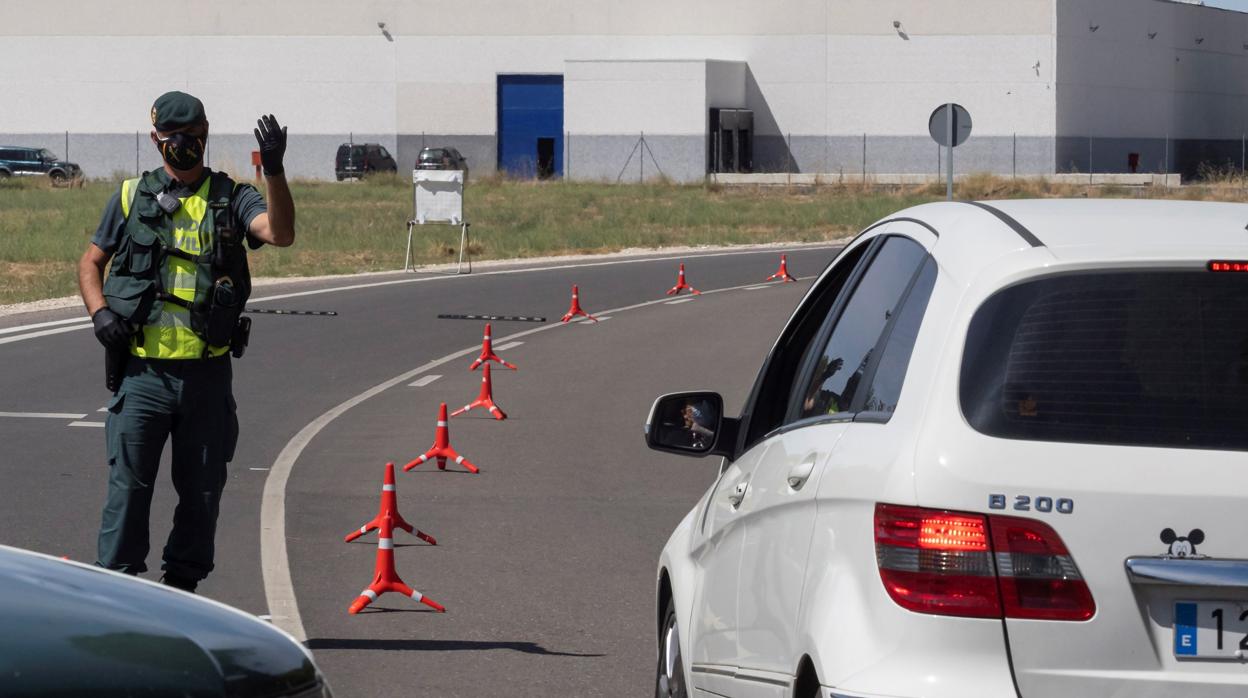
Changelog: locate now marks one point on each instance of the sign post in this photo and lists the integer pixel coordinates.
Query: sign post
(950, 126)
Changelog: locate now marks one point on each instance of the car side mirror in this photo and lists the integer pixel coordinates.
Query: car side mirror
(691, 424)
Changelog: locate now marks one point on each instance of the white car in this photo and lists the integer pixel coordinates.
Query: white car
(1000, 449)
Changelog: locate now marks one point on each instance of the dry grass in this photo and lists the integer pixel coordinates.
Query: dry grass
(360, 226)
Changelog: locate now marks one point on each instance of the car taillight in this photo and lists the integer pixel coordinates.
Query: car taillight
(960, 564)
(936, 561)
(1038, 576)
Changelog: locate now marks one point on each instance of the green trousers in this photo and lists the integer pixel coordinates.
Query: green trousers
(189, 402)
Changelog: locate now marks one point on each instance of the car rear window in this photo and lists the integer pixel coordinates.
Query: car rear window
(1149, 358)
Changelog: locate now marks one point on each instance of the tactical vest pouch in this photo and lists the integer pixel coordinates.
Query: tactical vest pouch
(142, 252)
(232, 285)
(223, 313)
(129, 286)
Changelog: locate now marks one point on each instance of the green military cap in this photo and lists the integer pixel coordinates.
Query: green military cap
(174, 110)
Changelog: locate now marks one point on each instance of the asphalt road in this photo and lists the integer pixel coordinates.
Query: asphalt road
(545, 560)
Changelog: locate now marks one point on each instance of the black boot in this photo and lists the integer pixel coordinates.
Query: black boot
(173, 580)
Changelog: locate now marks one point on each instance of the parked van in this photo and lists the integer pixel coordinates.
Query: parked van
(362, 159)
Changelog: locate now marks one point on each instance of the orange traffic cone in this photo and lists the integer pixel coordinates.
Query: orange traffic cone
(681, 284)
(487, 353)
(783, 273)
(385, 578)
(575, 309)
(390, 507)
(484, 399)
(441, 448)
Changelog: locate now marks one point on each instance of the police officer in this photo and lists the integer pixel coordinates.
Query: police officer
(171, 309)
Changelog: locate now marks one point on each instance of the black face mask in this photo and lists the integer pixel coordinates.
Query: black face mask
(181, 150)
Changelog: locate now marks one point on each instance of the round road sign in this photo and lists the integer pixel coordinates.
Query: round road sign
(938, 124)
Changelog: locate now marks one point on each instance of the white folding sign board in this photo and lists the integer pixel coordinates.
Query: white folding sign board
(439, 196)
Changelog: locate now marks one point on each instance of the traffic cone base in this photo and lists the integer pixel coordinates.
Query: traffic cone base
(389, 507)
(783, 273)
(487, 353)
(385, 578)
(575, 308)
(441, 449)
(485, 398)
(681, 284)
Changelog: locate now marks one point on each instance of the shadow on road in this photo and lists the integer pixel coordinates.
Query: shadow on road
(436, 646)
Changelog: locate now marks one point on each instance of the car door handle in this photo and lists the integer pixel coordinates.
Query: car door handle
(801, 473)
(737, 495)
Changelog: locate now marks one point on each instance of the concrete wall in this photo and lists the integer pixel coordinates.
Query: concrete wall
(610, 105)
(1134, 75)
(817, 73)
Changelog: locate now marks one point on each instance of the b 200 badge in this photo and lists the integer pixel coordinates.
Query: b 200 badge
(1023, 502)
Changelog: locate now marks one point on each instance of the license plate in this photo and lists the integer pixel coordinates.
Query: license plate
(1211, 629)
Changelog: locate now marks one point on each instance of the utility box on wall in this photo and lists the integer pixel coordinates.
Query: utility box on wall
(731, 142)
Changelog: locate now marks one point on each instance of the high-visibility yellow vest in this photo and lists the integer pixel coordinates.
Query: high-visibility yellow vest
(170, 335)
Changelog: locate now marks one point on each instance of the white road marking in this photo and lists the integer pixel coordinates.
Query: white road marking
(279, 590)
(44, 333)
(43, 415)
(37, 325)
(86, 424)
(554, 267)
(257, 468)
(424, 380)
(678, 301)
(756, 288)
(419, 279)
(602, 318)
(103, 409)
(509, 345)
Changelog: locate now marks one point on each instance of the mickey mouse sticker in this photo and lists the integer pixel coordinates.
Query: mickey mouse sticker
(1183, 546)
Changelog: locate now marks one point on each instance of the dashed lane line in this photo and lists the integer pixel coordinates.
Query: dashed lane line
(87, 424)
(678, 301)
(424, 380)
(509, 345)
(279, 590)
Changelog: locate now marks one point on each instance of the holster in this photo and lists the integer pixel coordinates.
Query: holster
(115, 368)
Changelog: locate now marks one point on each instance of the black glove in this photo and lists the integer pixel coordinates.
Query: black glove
(272, 140)
(111, 329)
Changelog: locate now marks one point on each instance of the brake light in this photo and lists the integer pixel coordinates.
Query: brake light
(961, 564)
(1038, 576)
(1227, 265)
(936, 561)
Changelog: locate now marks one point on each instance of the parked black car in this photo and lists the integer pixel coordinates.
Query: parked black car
(75, 630)
(18, 160)
(362, 159)
(441, 159)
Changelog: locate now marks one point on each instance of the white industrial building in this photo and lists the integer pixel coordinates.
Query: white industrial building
(569, 87)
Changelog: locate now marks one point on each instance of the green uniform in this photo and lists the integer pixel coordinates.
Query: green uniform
(177, 385)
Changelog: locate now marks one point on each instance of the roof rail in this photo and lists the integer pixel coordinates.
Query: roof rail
(1014, 225)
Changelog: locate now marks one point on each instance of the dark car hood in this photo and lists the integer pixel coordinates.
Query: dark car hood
(69, 630)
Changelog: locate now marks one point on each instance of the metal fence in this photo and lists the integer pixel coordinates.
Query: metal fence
(643, 156)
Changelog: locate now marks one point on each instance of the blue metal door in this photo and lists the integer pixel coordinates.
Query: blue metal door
(530, 114)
